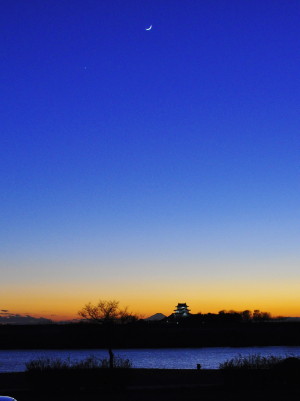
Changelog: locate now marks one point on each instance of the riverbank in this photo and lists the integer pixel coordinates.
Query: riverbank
(152, 384)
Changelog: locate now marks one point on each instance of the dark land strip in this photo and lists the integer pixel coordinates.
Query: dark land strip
(152, 384)
(146, 335)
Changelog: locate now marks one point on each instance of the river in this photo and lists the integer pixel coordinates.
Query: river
(165, 358)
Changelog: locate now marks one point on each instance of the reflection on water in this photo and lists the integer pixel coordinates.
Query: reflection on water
(166, 358)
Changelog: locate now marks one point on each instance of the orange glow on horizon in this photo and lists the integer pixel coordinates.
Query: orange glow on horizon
(280, 299)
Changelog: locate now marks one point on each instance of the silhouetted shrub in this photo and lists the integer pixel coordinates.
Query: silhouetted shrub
(288, 370)
(91, 362)
(46, 364)
(255, 361)
(290, 363)
(118, 363)
(67, 375)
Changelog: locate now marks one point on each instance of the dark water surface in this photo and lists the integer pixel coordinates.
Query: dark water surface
(167, 358)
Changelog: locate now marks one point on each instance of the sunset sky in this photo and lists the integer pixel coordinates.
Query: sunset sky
(152, 167)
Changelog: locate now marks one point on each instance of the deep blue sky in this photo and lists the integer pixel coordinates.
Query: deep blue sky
(142, 154)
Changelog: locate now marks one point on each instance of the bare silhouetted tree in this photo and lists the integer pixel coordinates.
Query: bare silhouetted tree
(107, 313)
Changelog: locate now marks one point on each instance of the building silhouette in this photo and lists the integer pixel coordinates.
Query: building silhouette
(181, 310)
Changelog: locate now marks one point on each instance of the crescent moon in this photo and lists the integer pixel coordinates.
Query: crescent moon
(149, 29)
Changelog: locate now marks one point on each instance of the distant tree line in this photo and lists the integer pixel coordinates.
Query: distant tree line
(247, 315)
(223, 317)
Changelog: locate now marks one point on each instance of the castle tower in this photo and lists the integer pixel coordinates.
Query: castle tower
(181, 310)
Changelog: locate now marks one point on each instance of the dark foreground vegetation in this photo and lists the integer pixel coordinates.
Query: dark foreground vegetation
(251, 378)
(143, 334)
(46, 365)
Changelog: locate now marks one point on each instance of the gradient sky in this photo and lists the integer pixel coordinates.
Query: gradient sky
(151, 167)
